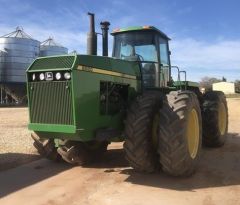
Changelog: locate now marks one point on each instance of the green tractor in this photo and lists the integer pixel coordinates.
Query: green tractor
(78, 104)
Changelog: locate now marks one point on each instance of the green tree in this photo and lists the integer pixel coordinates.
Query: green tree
(224, 79)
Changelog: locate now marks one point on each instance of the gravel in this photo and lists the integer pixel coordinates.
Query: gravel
(15, 141)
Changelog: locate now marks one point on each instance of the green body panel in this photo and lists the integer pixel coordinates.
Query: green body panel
(84, 94)
(52, 128)
(111, 64)
(185, 83)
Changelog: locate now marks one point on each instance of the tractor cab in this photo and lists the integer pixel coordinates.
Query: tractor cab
(148, 46)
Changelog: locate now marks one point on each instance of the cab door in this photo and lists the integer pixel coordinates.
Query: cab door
(164, 62)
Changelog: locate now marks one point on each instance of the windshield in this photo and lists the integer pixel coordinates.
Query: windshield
(135, 46)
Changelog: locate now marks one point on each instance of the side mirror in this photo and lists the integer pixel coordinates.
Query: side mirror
(169, 53)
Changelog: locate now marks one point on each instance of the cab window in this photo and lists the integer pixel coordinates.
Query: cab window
(163, 52)
(164, 62)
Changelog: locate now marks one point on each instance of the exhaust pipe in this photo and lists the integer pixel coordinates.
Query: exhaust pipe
(105, 27)
(92, 37)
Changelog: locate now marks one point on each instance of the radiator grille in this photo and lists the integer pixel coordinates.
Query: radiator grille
(53, 62)
(51, 102)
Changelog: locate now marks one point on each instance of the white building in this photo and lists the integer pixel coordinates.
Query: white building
(227, 88)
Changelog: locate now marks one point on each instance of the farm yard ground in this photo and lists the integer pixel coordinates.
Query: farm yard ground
(111, 180)
(15, 141)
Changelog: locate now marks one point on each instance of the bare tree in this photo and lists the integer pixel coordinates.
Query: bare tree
(237, 86)
(206, 82)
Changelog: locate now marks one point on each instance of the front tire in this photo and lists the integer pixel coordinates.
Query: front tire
(139, 130)
(180, 133)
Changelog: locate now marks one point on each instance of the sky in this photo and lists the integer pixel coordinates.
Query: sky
(205, 34)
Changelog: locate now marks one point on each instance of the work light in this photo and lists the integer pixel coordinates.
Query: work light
(67, 75)
(33, 76)
(58, 76)
(41, 76)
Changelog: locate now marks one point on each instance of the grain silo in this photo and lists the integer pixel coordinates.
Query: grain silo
(17, 52)
(50, 48)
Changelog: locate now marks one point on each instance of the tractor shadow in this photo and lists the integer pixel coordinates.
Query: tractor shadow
(113, 159)
(218, 167)
(15, 179)
(12, 160)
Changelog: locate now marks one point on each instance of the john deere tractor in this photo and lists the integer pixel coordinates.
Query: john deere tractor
(78, 104)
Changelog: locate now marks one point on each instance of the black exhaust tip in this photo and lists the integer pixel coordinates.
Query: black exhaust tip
(105, 27)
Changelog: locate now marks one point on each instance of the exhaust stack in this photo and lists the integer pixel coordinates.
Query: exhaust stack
(105, 27)
(92, 37)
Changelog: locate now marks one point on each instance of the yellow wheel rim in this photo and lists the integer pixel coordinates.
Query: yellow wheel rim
(222, 118)
(193, 133)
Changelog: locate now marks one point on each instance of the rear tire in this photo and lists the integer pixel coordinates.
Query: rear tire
(180, 133)
(138, 146)
(46, 147)
(215, 119)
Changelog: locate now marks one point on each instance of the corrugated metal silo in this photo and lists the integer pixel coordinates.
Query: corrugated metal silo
(18, 50)
(51, 48)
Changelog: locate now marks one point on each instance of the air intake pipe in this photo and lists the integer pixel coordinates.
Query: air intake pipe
(92, 37)
(105, 27)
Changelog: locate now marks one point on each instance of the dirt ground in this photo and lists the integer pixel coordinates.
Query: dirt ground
(111, 181)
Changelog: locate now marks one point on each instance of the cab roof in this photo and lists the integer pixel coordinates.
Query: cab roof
(139, 28)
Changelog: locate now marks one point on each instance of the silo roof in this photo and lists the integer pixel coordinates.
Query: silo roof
(18, 33)
(50, 42)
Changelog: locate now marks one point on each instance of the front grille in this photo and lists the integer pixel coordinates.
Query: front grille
(51, 102)
(55, 62)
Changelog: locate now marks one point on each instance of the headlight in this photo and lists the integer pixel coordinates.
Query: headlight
(41, 76)
(67, 75)
(33, 76)
(58, 76)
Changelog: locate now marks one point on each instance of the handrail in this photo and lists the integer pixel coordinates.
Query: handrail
(185, 78)
(174, 66)
(178, 78)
